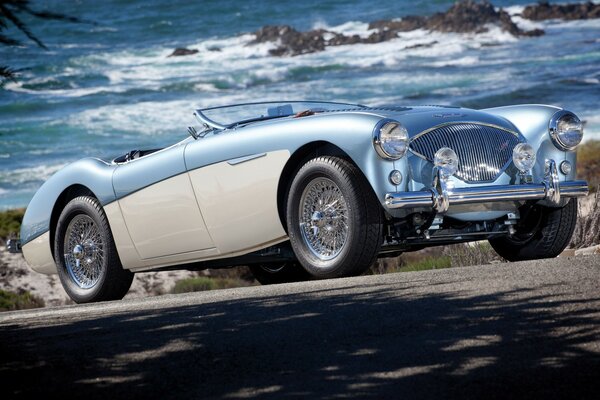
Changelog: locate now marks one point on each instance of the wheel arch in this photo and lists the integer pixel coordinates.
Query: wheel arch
(63, 199)
(297, 160)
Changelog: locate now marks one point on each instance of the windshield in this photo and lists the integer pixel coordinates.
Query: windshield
(227, 116)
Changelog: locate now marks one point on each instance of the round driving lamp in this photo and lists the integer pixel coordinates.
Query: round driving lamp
(566, 130)
(391, 141)
(447, 161)
(524, 157)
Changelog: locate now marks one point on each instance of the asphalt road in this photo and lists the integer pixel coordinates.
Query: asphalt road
(520, 330)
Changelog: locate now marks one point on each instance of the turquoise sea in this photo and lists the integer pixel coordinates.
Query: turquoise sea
(103, 89)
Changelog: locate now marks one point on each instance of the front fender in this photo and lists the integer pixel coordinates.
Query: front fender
(352, 133)
(533, 120)
(92, 173)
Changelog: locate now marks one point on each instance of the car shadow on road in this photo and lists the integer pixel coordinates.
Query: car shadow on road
(380, 343)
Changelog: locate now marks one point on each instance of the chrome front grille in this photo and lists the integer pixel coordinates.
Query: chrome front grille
(483, 151)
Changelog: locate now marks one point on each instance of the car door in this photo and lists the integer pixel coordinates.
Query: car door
(159, 206)
(236, 188)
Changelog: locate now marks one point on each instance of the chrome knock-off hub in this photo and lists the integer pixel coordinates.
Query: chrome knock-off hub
(323, 218)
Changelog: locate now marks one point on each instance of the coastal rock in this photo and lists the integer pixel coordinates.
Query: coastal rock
(182, 51)
(290, 41)
(543, 11)
(406, 24)
(465, 16)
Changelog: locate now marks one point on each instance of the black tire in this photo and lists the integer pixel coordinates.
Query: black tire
(279, 273)
(543, 233)
(91, 272)
(357, 219)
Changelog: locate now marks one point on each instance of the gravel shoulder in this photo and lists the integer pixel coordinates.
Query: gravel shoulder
(16, 276)
(515, 330)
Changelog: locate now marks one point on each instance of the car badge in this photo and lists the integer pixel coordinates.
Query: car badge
(449, 115)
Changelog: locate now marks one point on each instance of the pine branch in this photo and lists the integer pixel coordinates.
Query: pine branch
(56, 16)
(6, 74)
(20, 25)
(5, 40)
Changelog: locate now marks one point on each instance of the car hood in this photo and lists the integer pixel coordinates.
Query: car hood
(419, 119)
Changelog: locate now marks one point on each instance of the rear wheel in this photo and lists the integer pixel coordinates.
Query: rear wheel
(543, 232)
(334, 220)
(86, 258)
(269, 274)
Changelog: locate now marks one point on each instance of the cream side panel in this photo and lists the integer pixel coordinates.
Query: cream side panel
(38, 255)
(127, 252)
(204, 255)
(130, 259)
(164, 219)
(239, 202)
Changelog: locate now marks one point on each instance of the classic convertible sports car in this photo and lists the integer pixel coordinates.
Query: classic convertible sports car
(301, 190)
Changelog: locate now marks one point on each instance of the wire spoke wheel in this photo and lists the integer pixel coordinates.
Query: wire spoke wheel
(86, 257)
(84, 251)
(323, 215)
(333, 218)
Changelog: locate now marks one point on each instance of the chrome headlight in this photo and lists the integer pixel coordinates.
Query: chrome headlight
(391, 140)
(524, 157)
(566, 130)
(447, 161)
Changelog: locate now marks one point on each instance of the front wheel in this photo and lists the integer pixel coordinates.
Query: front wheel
(543, 232)
(85, 254)
(334, 219)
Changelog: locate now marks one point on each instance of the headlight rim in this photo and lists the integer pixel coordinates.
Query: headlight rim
(377, 144)
(446, 171)
(519, 148)
(553, 130)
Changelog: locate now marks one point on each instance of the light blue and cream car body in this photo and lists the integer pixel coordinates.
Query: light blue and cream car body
(218, 198)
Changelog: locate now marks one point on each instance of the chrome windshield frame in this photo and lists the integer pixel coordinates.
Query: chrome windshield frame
(203, 118)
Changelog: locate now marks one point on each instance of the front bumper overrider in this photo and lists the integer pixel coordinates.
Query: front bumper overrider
(440, 196)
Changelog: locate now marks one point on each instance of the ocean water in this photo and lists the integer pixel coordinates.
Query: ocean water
(106, 88)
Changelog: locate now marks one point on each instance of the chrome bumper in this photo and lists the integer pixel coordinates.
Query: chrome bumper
(440, 196)
(14, 246)
(483, 194)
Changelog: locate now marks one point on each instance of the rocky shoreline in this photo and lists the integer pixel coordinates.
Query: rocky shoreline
(544, 11)
(466, 16)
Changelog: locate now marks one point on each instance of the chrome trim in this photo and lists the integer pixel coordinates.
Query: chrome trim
(553, 127)
(14, 246)
(377, 141)
(323, 215)
(239, 160)
(552, 183)
(84, 251)
(467, 158)
(517, 134)
(480, 194)
(440, 196)
(199, 114)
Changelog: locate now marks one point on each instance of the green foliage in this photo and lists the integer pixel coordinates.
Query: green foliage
(10, 223)
(415, 261)
(588, 163)
(474, 253)
(203, 283)
(587, 230)
(10, 301)
(425, 264)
